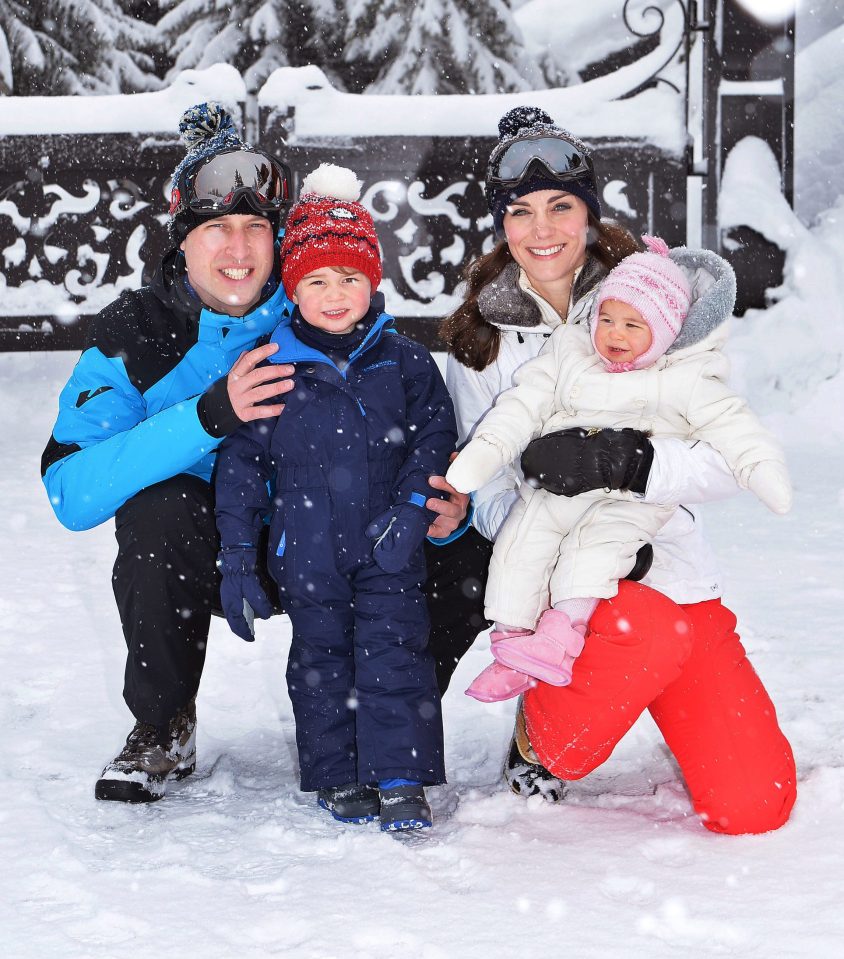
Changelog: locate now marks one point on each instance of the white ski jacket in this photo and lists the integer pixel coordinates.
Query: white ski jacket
(683, 473)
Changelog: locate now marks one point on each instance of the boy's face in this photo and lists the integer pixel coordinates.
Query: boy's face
(621, 334)
(331, 300)
(228, 261)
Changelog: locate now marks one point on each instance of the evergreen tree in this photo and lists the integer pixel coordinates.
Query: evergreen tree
(255, 36)
(438, 46)
(52, 47)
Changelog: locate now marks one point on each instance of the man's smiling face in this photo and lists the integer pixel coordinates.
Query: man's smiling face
(228, 261)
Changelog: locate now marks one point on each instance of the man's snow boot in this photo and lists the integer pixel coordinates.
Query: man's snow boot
(351, 803)
(524, 773)
(404, 807)
(152, 756)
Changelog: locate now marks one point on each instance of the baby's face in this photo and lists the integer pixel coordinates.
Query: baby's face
(621, 335)
(332, 300)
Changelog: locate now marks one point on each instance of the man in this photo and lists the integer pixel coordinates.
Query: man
(169, 370)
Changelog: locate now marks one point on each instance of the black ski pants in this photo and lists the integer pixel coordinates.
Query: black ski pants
(166, 586)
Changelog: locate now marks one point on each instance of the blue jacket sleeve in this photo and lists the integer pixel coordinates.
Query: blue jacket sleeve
(432, 434)
(244, 467)
(104, 448)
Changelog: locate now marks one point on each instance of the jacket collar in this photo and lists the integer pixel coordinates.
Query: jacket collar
(505, 304)
(169, 285)
(291, 350)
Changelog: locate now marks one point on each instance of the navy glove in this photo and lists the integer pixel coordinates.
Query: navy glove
(241, 593)
(576, 460)
(398, 533)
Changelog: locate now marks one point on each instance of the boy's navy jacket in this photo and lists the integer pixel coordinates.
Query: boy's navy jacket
(128, 415)
(364, 439)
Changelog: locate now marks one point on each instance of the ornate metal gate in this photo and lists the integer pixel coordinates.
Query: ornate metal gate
(81, 214)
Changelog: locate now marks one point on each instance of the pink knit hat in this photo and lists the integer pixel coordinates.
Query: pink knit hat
(654, 285)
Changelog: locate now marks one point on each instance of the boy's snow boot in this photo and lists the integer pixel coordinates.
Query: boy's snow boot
(152, 755)
(404, 807)
(548, 654)
(351, 803)
(498, 682)
(524, 773)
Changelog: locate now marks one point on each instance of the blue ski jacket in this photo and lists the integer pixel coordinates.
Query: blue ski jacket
(131, 412)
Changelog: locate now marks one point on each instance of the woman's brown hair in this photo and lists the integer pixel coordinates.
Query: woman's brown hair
(474, 342)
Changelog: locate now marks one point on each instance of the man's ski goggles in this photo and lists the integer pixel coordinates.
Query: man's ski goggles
(224, 179)
(509, 162)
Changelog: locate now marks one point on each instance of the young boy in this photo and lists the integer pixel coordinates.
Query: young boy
(571, 552)
(368, 422)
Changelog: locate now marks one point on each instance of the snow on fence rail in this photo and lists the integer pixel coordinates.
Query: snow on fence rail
(83, 206)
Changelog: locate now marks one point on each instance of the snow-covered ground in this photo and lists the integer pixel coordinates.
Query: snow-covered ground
(236, 862)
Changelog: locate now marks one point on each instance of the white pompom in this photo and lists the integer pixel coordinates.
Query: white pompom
(331, 180)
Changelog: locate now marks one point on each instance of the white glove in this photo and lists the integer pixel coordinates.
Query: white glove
(769, 481)
(475, 465)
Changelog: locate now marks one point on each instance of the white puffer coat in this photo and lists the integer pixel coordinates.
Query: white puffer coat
(683, 473)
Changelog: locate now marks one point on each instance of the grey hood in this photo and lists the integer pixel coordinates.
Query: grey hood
(713, 283)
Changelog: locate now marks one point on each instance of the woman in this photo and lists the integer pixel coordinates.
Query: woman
(661, 644)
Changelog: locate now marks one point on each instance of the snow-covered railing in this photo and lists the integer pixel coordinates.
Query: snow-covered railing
(84, 180)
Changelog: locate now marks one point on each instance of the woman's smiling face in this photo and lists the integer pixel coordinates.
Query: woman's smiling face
(546, 232)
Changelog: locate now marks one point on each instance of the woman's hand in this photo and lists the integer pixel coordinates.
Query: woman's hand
(450, 512)
(575, 460)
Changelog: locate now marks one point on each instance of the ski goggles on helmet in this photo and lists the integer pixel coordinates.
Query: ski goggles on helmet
(511, 161)
(219, 183)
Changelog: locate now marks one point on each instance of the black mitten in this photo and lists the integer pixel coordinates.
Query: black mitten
(577, 460)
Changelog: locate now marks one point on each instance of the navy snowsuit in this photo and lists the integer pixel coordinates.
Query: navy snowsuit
(348, 446)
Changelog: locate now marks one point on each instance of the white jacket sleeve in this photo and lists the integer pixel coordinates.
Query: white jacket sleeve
(686, 473)
(473, 394)
(723, 419)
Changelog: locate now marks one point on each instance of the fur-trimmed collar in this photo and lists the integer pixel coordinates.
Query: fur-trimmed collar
(503, 303)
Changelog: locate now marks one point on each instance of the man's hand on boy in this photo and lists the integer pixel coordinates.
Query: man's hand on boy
(450, 512)
(249, 384)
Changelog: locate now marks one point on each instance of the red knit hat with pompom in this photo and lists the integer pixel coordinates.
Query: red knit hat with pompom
(328, 227)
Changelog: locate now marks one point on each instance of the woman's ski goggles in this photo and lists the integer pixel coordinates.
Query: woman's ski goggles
(509, 162)
(224, 179)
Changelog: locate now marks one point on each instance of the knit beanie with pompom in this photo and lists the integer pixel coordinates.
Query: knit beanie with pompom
(657, 288)
(517, 124)
(206, 129)
(328, 227)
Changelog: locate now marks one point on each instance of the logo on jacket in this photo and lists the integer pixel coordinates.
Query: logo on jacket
(378, 365)
(86, 395)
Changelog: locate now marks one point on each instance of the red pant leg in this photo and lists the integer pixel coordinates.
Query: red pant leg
(637, 644)
(721, 725)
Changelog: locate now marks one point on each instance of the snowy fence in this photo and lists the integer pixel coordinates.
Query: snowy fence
(83, 217)
(83, 207)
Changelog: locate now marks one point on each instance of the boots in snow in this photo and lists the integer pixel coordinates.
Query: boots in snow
(351, 803)
(547, 655)
(404, 807)
(497, 682)
(152, 756)
(524, 773)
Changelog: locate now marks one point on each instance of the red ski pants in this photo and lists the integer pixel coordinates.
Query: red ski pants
(687, 666)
